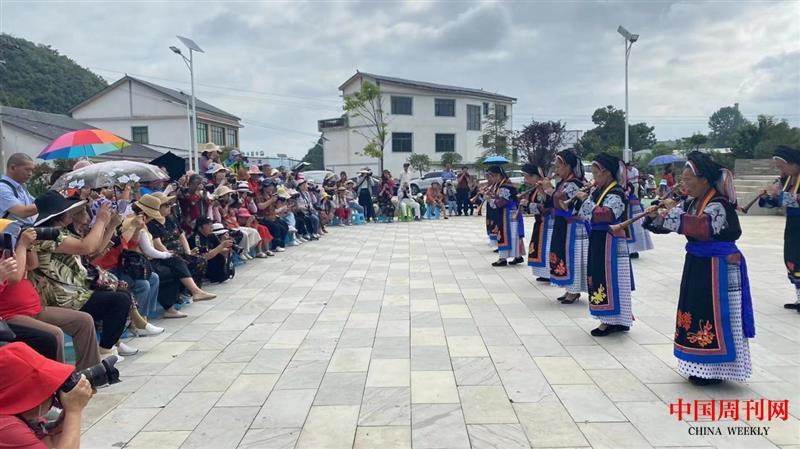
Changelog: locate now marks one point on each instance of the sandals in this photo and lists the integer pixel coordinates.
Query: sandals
(203, 296)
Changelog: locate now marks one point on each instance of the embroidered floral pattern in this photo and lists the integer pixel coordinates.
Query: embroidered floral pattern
(557, 265)
(702, 337)
(599, 296)
(684, 320)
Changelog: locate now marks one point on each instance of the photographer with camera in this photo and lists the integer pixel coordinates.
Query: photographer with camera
(20, 304)
(62, 280)
(194, 201)
(266, 203)
(364, 187)
(213, 245)
(41, 401)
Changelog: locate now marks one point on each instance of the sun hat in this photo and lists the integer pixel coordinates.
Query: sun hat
(254, 170)
(222, 191)
(215, 167)
(274, 172)
(150, 205)
(243, 213)
(51, 204)
(293, 193)
(324, 195)
(341, 189)
(164, 198)
(210, 147)
(81, 163)
(28, 378)
(218, 229)
(235, 153)
(242, 186)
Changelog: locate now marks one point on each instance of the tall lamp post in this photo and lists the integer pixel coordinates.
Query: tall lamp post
(192, 46)
(629, 40)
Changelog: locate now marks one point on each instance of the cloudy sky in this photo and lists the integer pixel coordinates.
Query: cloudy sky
(278, 64)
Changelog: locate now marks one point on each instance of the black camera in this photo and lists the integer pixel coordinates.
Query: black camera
(104, 373)
(47, 232)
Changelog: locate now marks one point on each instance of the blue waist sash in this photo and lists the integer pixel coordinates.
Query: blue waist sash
(721, 249)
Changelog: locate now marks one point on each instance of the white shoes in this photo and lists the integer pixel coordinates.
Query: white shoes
(149, 329)
(293, 243)
(280, 249)
(106, 353)
(123, 349)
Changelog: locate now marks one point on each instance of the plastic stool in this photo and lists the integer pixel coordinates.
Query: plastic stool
(357, 218)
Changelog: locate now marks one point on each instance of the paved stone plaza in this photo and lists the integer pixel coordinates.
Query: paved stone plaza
(402, 335)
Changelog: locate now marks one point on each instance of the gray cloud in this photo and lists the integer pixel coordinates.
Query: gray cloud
(278, 64)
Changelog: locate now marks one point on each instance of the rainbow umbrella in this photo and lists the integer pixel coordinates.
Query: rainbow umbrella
(83, 143)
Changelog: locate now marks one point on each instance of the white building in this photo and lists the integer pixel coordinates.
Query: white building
(156, 116)
(27, 131)
(422, 118)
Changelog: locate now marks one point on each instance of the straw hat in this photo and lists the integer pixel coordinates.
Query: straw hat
(213, 168)
(164, 198)
(222, 191)
(283, 193)
(274, 172)
(150, 205)
(211, 147)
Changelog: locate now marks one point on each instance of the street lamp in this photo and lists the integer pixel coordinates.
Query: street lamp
(629, 40)
(192, 46)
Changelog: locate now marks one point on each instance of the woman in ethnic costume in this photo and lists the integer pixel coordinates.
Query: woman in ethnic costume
(715, 311)
(569, 245)
(609, 276)
(638, 237)
(541, 205)
(490, 190)
(508, 225)
(786, 193)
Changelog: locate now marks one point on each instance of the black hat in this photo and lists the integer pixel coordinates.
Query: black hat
(532, 170)
(703, 166)
(573, 161)
(51, 204)
(788, 154)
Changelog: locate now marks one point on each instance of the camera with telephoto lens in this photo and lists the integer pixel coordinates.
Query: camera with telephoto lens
(47, 232)
(104, 373)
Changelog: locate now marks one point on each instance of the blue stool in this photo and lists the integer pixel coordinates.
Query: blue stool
(433, 213)
(357, 218)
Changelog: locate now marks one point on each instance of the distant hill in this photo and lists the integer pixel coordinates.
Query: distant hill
(37, 77)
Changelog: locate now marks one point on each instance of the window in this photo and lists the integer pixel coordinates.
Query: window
(473, 117)
(231, 137)
(500, 111)
(402, 142)
(445, 143)
(218, 135)
(139, 134)
(445, 107)
(202, 133)
(401, 105)
(485, 108)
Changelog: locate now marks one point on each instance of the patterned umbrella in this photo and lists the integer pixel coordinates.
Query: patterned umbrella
(82, 143)
(109, 173)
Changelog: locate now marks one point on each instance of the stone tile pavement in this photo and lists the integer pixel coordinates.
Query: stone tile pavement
(402, 335)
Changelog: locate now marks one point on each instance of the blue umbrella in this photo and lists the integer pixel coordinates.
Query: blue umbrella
(666, 160)
(495, 160)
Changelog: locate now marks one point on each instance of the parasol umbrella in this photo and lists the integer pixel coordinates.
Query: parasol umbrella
(109, 173)
(82, 143)
(665, 160)
(175, 165)
(495, 160)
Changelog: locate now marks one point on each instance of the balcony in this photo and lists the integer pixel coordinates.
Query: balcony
(339, 122)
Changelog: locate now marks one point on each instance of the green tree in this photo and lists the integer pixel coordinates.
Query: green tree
(759, 139)
(696, 141)
(538, 142)
(495, 135)
(37, 77)
(420, 162)
(724, 125)
(366, 106)
(315, 157)
(450, 158)
(610, 132)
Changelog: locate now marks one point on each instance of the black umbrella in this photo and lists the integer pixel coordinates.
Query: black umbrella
(175, 165)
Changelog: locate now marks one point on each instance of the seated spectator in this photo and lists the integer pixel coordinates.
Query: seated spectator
(435, 199)
(16, 203)
(164, 262)
(60, 277)
(306, 218)
(404, 200)
(174, 239)
(267, 216)
(351, 197)
(325, 211)
(253, 179)
(213, 244)
(385, 194)
(34, 412)
(218, 175)
(21, 304)
(341, 207)
(194, 202)
(247, 223)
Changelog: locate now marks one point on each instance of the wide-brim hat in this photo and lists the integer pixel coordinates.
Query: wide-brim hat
(222, 191)
(51, 204)
(274, 172)
(242, 186)
(254, 170)
(218, 229)
(341, 189)
(28, 378)
(213, 168)
(293, 193)
(283, 193)
(210, 147)
(150, 205)
(164, 198)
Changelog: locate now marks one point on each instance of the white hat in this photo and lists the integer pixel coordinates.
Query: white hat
(218, 229)
(242, 186)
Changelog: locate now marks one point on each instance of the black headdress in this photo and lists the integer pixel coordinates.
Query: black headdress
(718, 176)
(532, 170)
(573, 161)
(614, 165)
(788, 154)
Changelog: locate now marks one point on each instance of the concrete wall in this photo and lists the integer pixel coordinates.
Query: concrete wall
(18, 141)
(341, 144)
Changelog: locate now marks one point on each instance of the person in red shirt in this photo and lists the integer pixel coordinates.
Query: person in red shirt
(30, 415)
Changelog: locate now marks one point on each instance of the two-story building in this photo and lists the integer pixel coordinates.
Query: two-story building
(422, 117)
(156, 116)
